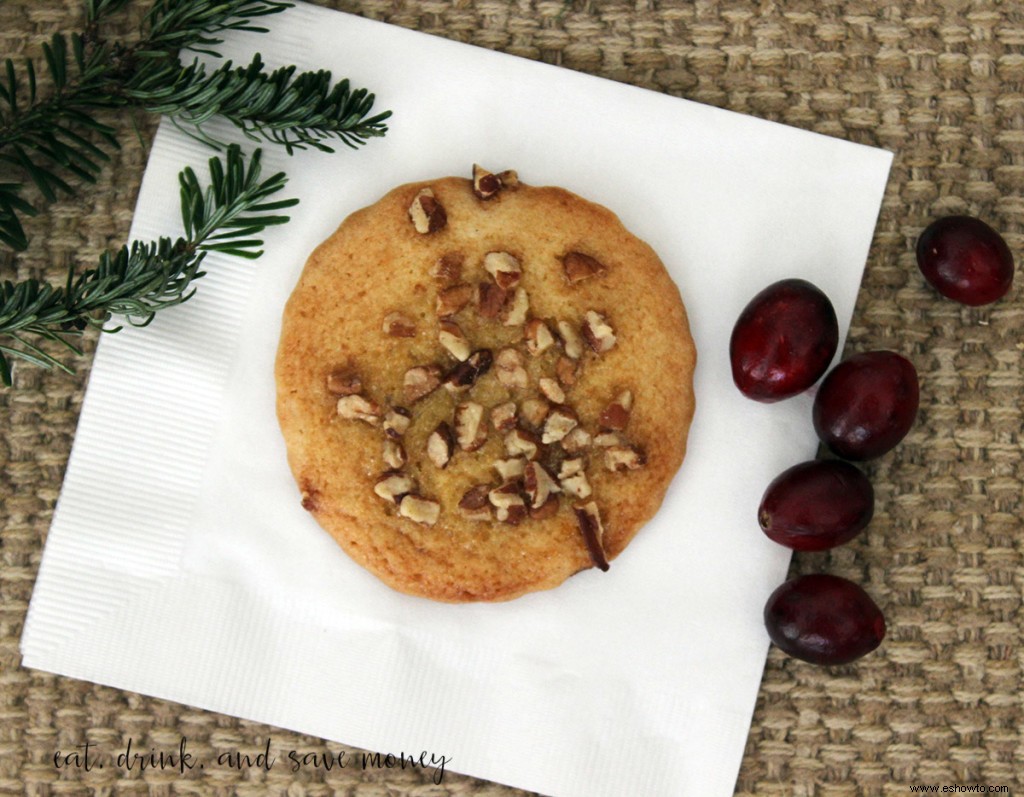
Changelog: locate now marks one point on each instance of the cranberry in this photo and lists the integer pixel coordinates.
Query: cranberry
(866, 404)
(817, 505)
(965, 260)
(783, 341)
(823, 619)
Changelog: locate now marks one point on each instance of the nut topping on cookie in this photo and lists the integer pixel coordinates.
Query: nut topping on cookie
(573, 479)
(470, 426)
(465, 374)
(451, 300)
(515, 314)
(616, 414)
(598, 333)
(508, 503)
(503, 417)
(577, 441)
(475, 505)
(486, 185)
(622, 458)
(421, 510)
(534, 411)
(608, 439)
(426, 213)
(589, 519)
(454, 341)
(342, 382)
(491, 299)
(551, 389)
(538, 484)
(505, 269)
(521, 443)
(571, 341)
(547, 510)
(393, 487)
(420, 381)
(510, 370)
(394, 454)
(538, 337)
(358, 408)
(510, 468)
(399, 326)
(441, 445)
(559, 423)
(579, 267)
(565, 370)
(396, 422)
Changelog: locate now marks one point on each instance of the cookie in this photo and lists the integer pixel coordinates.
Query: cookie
(484, 386)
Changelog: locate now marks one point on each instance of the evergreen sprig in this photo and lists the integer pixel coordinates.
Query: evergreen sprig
(51, 138)
(137, 281)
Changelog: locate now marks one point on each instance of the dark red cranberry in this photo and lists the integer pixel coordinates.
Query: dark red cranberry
(817, 505)
(823, 619)
(783, 341)
(965, 260)
(866, 404)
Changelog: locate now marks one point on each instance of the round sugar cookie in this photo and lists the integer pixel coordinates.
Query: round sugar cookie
(484, 386)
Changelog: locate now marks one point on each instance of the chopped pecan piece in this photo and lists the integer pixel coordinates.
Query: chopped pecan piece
(510, 468)
(342, 382)
(465, 374)
(503, 417)
(509, 178)
(538, 484)
(490, 299)
(486, 185)
(621, 458)
(358, 408)
(396, 422)
(565, 370)
(505, 269)
(589, 519)
(534, 411)
(573, 479)
(420, 381)
(508, 503)
(538, 337)
(454, 341)
(577, 441)
(393, 486)
(421, 510)
(608, 439)
(399, 326)
(558, 424)
(548, 509)
(452, 300)
(551, 389)
(510, 370)
(441, 445)
(426, 213)
(579, 267)
(520, 443)
(475, 504)
(598, 332)
(448, 268)
(394, 454)
(615, 416)
(517, 310)
(470, 426)
(571, 341)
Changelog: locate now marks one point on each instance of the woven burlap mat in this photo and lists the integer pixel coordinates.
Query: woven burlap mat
(938, 82)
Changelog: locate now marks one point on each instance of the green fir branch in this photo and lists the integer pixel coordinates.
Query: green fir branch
(137, 281)
(53, 139)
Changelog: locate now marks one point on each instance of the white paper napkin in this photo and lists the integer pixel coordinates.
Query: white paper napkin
(180, 564)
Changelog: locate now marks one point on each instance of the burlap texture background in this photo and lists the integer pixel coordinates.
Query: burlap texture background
(938, 82)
